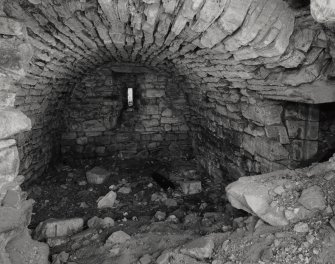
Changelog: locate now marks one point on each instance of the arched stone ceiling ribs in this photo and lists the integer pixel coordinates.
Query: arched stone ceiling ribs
(248, 43)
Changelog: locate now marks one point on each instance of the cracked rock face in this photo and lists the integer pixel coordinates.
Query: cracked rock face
(287, 196)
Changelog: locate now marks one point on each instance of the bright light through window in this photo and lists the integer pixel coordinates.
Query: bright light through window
(130, 97)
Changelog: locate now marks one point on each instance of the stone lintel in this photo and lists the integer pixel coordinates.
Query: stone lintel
(318, 92)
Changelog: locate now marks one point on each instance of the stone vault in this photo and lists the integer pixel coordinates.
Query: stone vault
(253, 73)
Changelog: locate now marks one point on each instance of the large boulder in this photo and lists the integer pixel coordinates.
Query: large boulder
(251, 194)
(286, 196)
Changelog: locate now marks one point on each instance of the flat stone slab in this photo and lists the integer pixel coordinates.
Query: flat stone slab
(97, 175)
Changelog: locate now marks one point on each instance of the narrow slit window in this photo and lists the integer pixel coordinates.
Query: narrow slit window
(130, 97)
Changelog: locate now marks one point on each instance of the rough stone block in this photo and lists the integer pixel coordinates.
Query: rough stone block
(9, 26)
(12, 199)
(9, 162)
(82, 141)
(110, 9)
(151, 109)
(264, 114)
(210, 11)
(13, 122)
(15, 56)
(264, 147)
(277, 132)
(169, 120)
(93, 133)
(303, 149)
(11, 218)
(191, 187)
(35, 2)
(154, 93)
(255, 131)
(69, 136)
(201, 248)
(118, 237)
(97, 175)
(96, 222)
(107, 201)
(7, 99)
(58, 227)
(302, 112)
(169, 6)
(312, 198)
(94, 126)
(23, 250)
(150, 123)
(167, 113)
(302, 129)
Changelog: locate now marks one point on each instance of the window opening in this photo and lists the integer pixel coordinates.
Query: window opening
(130, 97)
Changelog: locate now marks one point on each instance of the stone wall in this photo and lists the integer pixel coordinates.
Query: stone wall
(98, 122)
(16, 245)
(254, 50)
(237, 134)
(39, 146)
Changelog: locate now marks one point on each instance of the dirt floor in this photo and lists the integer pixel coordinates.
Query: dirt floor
(230, 235)
(65, 193)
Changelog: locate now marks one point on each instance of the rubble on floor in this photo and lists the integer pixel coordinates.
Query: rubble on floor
(178, 234)
(286, 196)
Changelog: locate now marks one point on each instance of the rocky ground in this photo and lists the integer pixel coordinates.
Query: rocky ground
(138, 194)
(290, 221)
